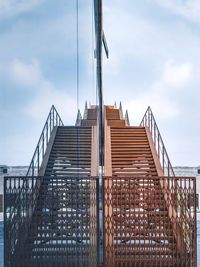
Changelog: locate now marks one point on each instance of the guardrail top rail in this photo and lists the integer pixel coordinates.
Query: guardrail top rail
(150, 122)
(53, 120)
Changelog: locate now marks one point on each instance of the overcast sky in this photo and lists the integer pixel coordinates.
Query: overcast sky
(154, 60)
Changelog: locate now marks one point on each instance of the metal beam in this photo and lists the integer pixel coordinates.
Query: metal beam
(99, 40)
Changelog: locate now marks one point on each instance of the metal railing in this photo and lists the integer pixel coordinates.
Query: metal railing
(53, 221)
(53, 119)
(150, 122)
(126, 117)
(50, 221)
(121, 116)
(150, 221)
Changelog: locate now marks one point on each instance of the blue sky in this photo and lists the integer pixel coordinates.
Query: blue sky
(154, 60)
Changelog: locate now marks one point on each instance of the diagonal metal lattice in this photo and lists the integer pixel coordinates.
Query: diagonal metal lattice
(52, 221)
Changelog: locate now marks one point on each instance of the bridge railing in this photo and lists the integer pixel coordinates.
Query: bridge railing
(146, 219)
(53, 119)
(150, 122)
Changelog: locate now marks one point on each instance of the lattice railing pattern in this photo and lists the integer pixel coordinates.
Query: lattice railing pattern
(149, 221)
(52, 223)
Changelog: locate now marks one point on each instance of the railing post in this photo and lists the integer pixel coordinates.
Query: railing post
(159, 146)
(53, 116)
(57, 119)
(163, 160)
(50, 121)
(38, 159)
(151, 122)
(42, 144)
(168, 167)
(47, 129)
(33, 168)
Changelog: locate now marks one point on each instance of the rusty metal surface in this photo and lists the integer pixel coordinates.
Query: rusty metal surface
(149, 221)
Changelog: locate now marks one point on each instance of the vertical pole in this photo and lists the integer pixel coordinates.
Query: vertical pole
(99, 39)
(33, 168)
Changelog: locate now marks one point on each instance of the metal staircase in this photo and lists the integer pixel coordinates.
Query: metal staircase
(131, 152)
(53, 216)
(142, 224)
(71, 152)
(140, 227)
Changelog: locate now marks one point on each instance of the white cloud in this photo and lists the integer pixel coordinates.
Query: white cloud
(9, 8)
(46, 93)
(189, 9)
(160, 95)
(178, 76)
(26, 74)
(161, 104)
(47, 96)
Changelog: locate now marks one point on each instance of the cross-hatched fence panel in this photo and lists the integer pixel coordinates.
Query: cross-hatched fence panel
(149, 221)
(54, 221)
(50, 221)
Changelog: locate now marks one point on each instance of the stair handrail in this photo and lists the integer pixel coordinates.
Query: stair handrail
(53, 119)
(150, 122)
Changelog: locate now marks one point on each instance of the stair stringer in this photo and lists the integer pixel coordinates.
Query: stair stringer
(167, 196)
